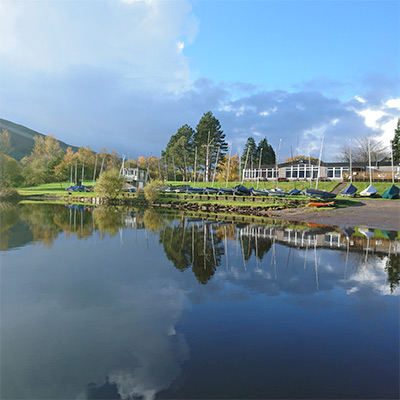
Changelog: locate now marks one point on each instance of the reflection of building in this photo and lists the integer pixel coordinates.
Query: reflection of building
(335, 171)
(134, 176)
(320, 238)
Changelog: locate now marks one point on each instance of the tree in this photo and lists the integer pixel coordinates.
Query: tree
(359, 150)
(209, 139)
(179, 151)
(39, 166)
(5, 142)
(109, 184)
(10, 172)
(268, 156)
(151, 191)
(396, 142)
(233, 163)
(249, 152)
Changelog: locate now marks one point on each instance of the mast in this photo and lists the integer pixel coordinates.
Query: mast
(319, 162)
(259, 168)
(391, 154)
(229, 163)
(245, 164)
(195, 166)
(277, 160)
(351, 169)
(95, 167)
(215, 169)
(369, 160)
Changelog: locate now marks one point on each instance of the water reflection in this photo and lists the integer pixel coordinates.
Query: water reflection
(154, 306)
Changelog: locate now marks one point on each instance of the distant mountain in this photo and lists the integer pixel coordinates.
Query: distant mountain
(22, 139)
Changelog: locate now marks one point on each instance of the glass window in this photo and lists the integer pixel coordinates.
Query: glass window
(288, 173)
(330, 172)
(337, 173)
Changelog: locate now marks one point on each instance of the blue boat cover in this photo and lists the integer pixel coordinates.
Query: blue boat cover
(349, 190)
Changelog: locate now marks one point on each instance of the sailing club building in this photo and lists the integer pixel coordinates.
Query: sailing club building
(329, 171)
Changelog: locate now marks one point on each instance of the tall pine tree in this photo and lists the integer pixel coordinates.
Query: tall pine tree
(396, 142)
(249, 152)
(208, 138)
(268, 156)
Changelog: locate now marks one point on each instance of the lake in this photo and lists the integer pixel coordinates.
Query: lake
(107, 304)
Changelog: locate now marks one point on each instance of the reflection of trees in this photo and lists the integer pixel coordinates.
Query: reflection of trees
(193, 245)
(153, 220)
(107, 219)
(393, 271)
(8, 218)
(75, 220)
(260, 246)
(40, 219)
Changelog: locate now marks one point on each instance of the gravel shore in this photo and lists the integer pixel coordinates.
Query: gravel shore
(371, 213)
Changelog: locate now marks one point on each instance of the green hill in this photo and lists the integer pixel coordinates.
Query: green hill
(22, 139)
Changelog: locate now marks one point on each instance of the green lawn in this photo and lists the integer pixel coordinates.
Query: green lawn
(54, 189)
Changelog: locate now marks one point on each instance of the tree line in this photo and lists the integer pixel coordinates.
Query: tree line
(190, 155)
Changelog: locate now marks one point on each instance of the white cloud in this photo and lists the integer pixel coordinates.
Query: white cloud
(136, 40)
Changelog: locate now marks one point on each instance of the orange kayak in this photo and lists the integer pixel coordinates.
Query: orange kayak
(321, 204)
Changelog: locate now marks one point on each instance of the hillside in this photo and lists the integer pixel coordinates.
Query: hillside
(22, 139)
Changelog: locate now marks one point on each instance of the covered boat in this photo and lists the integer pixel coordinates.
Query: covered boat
(256, 192)
(242, 190)
(277, 192)
(391, 193)
(192, 190)
(294, 192)
(370, 191)
(350, 190)
(211, 190)
(226, 191)
(320, 194)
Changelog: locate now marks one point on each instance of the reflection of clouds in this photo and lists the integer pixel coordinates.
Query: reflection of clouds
(57, 339)
(371, 277)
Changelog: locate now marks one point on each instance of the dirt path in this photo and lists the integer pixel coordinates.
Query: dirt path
(371, 213)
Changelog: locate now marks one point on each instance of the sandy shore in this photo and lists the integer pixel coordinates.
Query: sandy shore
(371, 213)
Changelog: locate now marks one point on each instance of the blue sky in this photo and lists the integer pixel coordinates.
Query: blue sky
(126, 74)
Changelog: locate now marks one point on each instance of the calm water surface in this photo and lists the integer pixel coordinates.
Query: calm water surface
(100, 304)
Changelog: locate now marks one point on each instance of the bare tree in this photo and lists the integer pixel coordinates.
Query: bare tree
(359, 150)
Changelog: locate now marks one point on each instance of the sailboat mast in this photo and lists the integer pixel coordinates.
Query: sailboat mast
(351, 170)
(277, 160)
(259, 168)
(229, 164)
(369, 160)
(391, 154)
(319, 162)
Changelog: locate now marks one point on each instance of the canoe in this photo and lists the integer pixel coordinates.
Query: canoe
(391, 193)
(321, 203)
(350, 190)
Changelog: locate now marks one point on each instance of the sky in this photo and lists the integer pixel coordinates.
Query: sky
(127, 74)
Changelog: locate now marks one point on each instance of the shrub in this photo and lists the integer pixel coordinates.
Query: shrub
(109, 184)
(151, 191)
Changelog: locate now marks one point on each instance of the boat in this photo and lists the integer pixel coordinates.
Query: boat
(350, 190)
(294, 192)
(192, 190)
(256, 192)
(321, 203)
(319, 194)
(181, 189)
(370, 191)
(277, 192)
(242, 190)
(392, 193)
(226, 191)
(210, 190)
